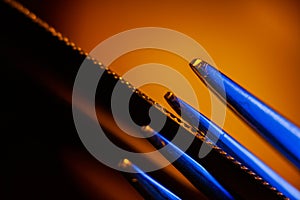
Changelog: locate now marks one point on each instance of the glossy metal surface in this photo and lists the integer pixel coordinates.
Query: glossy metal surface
(277, 130)
(147, 186)
(230, 145)
(195, 173)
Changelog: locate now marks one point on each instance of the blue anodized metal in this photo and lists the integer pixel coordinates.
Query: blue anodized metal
(277, 130)
(231, 146)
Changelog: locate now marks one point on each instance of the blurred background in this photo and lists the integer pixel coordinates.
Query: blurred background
(255, 43)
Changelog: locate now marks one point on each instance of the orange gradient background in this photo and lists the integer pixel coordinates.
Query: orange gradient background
(255, 43)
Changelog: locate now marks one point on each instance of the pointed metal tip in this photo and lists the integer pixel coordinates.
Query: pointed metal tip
(168, 95)
(125, 163)
(171, 98)
(147, 129)
(196, 62)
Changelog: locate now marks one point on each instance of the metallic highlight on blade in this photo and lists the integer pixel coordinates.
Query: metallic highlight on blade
(230, 145)
(277, 130)
(144, 184)
(194, 172)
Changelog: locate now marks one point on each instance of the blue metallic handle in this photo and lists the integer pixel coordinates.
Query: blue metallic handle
(231, 146)
(194, 172)
(148, 187)
(277, 130)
